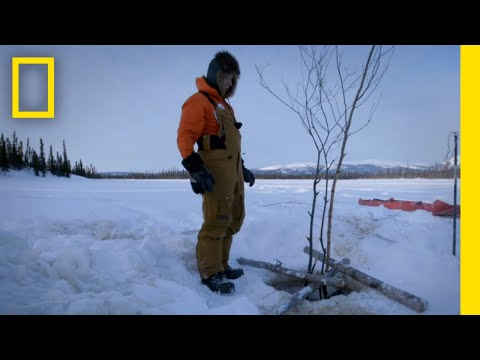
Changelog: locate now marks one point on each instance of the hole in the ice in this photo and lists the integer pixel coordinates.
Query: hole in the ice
(292, 285)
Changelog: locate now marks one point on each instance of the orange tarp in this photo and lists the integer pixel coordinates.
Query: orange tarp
(438, 207)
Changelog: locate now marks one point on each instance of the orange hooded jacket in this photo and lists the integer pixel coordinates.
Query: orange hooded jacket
(198, 117)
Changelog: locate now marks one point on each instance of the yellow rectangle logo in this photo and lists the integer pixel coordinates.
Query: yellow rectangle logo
(16, 62)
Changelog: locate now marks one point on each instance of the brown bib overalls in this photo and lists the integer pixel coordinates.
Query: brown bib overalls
(223, 209)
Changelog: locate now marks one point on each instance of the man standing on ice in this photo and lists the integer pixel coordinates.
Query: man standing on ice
(216, 169)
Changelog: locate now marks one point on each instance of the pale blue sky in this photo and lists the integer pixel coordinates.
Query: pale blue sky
(118, 107)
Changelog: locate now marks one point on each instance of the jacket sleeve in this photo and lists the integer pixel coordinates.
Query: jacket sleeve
(192, 123)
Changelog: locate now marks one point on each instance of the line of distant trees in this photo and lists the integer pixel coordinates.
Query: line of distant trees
(147, 175)
(435, 172)
(15, 156)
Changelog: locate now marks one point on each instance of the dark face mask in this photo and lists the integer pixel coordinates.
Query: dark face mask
(225, 82)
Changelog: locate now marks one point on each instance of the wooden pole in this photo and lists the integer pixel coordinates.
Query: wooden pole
(297, 298)
(455, 195)
(278, 268)
(403, 297)
(317, 281)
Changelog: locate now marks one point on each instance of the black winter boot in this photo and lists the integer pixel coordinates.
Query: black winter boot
(217, 284)
(231, 273)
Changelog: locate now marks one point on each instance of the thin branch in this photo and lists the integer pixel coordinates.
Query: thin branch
(386, 239)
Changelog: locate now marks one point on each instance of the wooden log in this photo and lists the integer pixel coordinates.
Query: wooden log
(403, 297)
(278, 268)
(297, 298)
(352, 284)
(319, 256)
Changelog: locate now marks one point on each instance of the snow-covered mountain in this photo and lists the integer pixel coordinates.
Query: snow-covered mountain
(349, 168)
(354, 167)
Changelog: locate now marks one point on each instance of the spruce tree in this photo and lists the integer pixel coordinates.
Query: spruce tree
(51, 162)
(21, 163)
(58, 165)
(28, 154)
(13, 155)
(66, 163)
(36, 163)
(3, 155)
(43, 164)
(9, 151)
(81, 170)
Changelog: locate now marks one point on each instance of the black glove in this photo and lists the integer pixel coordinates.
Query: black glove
(202, 181)
(248, 176)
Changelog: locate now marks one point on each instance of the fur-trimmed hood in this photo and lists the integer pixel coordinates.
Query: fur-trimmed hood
(223, 63)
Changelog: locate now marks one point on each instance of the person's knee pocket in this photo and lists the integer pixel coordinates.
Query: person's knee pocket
(217, 217)
(223, 216)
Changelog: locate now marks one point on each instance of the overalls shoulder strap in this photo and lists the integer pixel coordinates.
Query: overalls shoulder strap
(237, 124)
(209, 98)
(221, 130)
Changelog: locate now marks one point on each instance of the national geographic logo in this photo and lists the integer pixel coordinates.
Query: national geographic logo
(50, 112)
